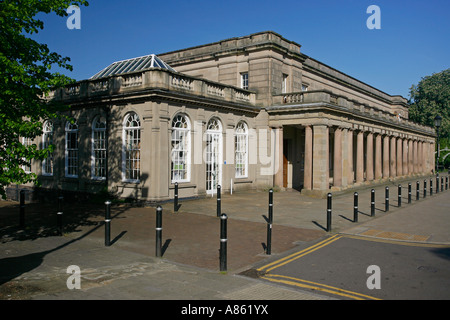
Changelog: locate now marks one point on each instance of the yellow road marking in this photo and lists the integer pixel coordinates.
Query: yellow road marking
(317, 286)
(294, 256)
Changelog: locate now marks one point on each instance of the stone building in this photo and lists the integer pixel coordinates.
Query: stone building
(247, 112)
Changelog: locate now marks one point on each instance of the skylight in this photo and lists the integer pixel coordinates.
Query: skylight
(130, 65)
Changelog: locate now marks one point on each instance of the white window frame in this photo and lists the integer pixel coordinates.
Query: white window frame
(213, 155)
(131, 152)
(241, 150)
(26, 142)
(284, 83)
(71, 151)
(47, 140)
(180, 149)
(98, 150)
(244, 80)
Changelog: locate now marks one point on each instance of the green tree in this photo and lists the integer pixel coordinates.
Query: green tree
(25, 78)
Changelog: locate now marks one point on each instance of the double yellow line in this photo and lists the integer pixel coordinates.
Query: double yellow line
(305, 283)
(295, 256)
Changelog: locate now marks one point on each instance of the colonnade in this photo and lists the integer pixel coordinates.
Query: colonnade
(342, 156)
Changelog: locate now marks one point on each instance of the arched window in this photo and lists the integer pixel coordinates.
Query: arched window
(71, 153)
(181, 149)
(47, 141)
(98, 169)
(213, 155)
(241, 150)
(131, 154)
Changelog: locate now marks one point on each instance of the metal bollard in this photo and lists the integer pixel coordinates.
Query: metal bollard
(446, 183)
(442, 183)
(269, 224)
(329, 212)
(399, 197)
(372, 203)
(108, 223)
(437, 184)
(175, 200)
(219, 206)
(59, 216)
(431, 186)
(355, 207)
(22, 208)
(158, 231)
(386, 203)
(425, 188)
(409, 192)
(223, 242)
(417, 190)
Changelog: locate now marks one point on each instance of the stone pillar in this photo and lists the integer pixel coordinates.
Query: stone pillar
(420, 155)
(405, 157)
(415, 156)
(278, 178)
(392, 160)
(378, 159)
(307, 173)
(369, 159)
(399, 157)
(410, 157)
(350, 172)
(321, 166)
(360, 157)
(337, 159)
(386, 156)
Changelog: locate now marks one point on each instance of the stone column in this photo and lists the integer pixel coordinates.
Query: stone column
(350, 172)
(415, 156)
(392, 160)
(360, 157)
(410, 157)
(337, 159)
(420, 155)
(386, 156)
(378, 160)
(307, 173)
(278, 178)
(405, 157)
(399, 157)
(369, 159)
(320, 157)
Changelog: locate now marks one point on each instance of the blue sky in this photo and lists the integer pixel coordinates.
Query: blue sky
(413, 41)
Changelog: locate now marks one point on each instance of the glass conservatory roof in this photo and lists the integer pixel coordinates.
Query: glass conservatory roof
(130, 65)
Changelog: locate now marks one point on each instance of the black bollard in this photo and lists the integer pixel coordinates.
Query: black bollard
(425, 188)
(417, 190)
(372, 203)
(175, 199)
(22, 208)
(219, 206)
(355, 207)
(442, 183)
(399, 197)
(329, 212)
(158, 231)
(269, 224)
(108, 223)
(431, 186)
(60, 203)
(223, 242)
(446, 183)
(386, 204)
(437, 184)
(409, 192)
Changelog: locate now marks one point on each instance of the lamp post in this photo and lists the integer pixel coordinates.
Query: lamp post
(437, 124)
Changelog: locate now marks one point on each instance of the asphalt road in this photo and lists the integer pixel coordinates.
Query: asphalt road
(339, 266)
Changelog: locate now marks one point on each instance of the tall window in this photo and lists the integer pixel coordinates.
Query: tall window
(71, 163)
(131, 155)
(47, 141)
(26, 143)
(181, 145)
(241, 150)
(244, 80)
(99, 148)
(284, 83)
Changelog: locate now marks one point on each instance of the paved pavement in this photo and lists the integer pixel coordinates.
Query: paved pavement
(34, 261)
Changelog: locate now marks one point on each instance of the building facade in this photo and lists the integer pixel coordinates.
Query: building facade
(248, 112)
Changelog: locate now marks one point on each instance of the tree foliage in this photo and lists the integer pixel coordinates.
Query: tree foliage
(429, 98)
(25, 78)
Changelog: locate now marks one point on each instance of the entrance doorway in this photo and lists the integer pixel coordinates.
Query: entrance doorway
(213, 155)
